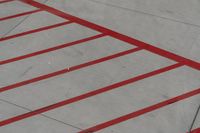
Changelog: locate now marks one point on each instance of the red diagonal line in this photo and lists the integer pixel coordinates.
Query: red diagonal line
(21, 14)
(87, 95)
(132, 41)
(141, 112)
(4, 1)
(35, 30)
(66, 70)
(196, 130)
(50, 49)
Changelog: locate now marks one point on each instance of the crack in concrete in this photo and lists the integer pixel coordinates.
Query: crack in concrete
(18, 24)
(141, 12)
(194, 119)
(42, 114)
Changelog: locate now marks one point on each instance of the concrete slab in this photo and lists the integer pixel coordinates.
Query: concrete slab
(180, 11)
(38, 69)
(43, 40)
(7, 110)
(14, 7)
(175, 118)
(125, 100)
(60, 59)
(75, 83)
(35, 21)
(38, 124)
(6, 26)
(173, 36)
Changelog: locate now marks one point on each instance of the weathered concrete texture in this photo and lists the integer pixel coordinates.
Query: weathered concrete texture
(171, 35)
(167, 24)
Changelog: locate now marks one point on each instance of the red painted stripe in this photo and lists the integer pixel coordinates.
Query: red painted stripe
(132, 41)
(50, 49)
(141, 112)
(196, 130)
(87, 95)
(4, 1)
(19, 15)
(35, 30)
(66, 70)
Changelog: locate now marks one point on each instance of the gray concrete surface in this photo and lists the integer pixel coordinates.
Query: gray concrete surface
(167, 24)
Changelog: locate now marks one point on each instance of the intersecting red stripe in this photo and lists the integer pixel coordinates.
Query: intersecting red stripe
(182, 61)
(21, 14)
(141, 112)
(196, 130)
(132, 41)
(35, 30)
(4, 1)
(66, 70)
(89, 94)
(50, 49)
